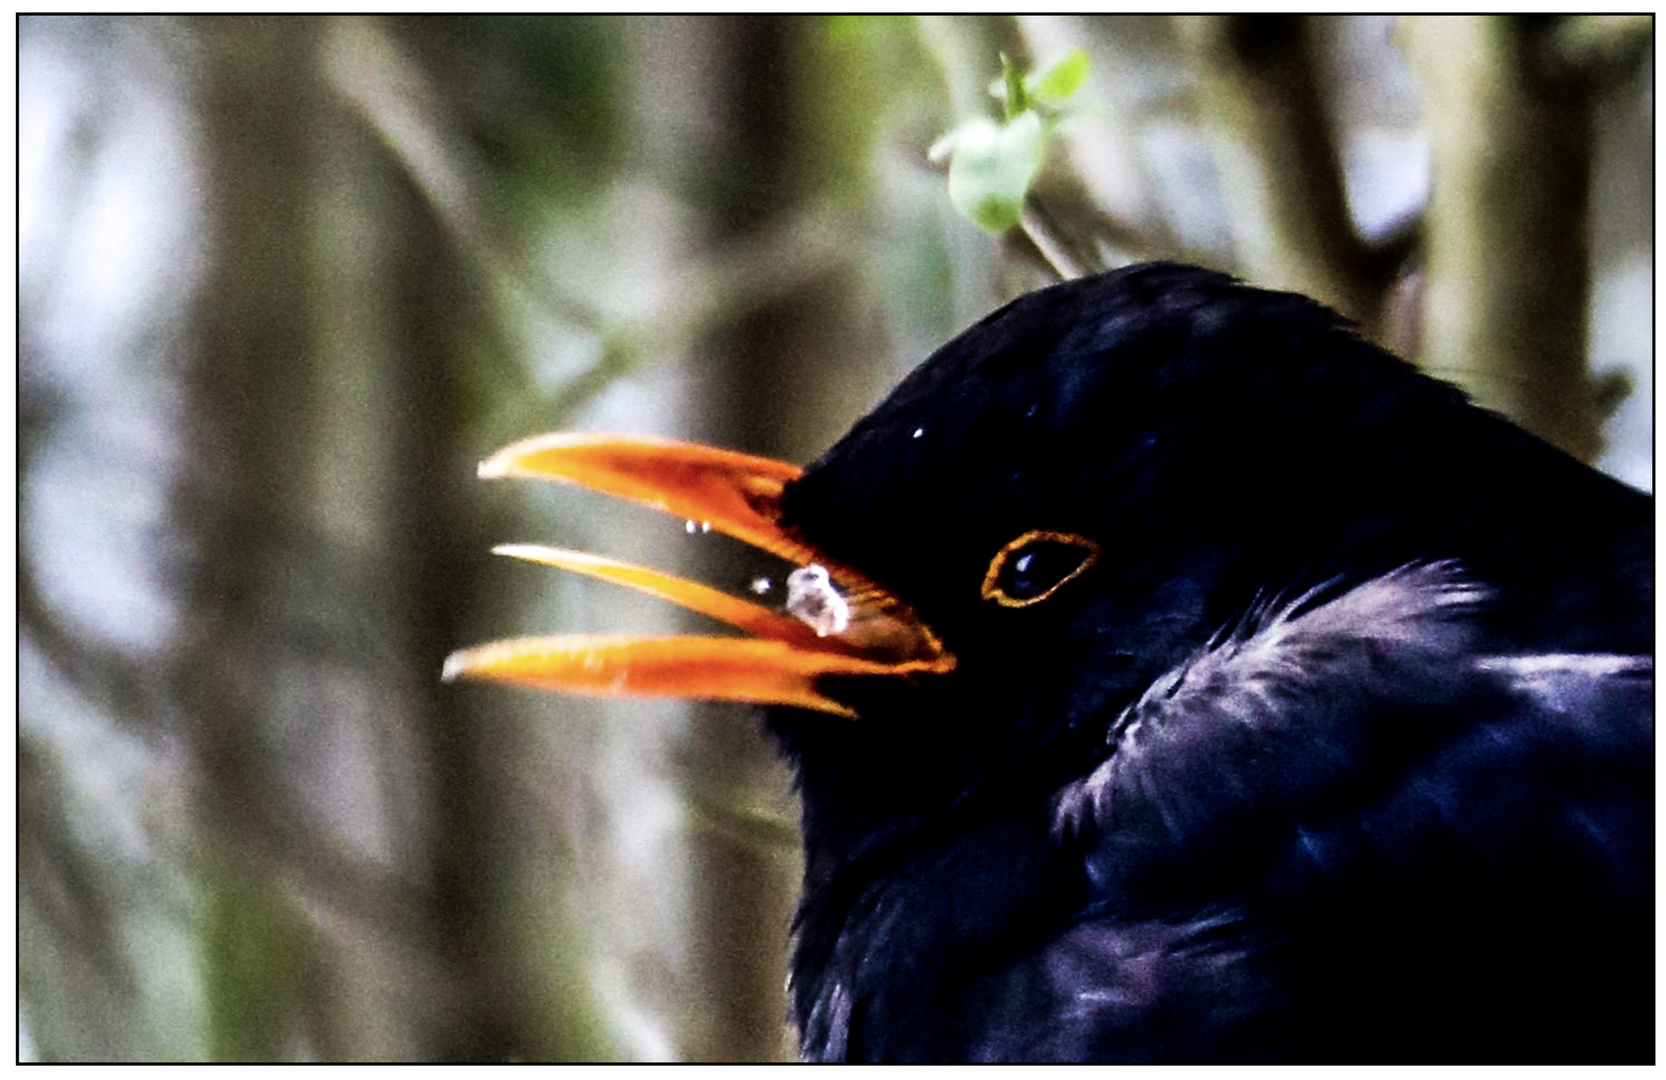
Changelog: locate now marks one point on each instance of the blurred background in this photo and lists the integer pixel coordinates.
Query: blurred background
(283, 282)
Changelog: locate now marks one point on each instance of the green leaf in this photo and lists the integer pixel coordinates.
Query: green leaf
(992, 168)
(1061, 80)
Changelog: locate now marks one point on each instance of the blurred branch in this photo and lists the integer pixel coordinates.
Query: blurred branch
(1077, 237)
(121, 686)
(748, 826)
(407, 112)
(1596, 45)
(1507, 258)
(749, 273)
(1280, 165)
(1041, 243)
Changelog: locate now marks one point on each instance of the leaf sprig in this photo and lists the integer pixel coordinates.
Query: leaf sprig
(992, 164)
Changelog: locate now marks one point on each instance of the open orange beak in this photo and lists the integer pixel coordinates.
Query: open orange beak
(837, 623)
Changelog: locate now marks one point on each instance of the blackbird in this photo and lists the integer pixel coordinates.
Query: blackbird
(1174, 675)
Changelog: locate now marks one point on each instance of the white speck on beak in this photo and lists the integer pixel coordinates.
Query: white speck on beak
(812, 598)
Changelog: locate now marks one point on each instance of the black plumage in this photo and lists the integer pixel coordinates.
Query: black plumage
(1334, 744)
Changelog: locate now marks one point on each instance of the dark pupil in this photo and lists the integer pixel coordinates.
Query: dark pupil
(1038, 568)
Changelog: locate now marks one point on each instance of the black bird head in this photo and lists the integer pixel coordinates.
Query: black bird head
(1054, 510)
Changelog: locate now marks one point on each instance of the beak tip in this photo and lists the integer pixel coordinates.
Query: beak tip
(456, 666)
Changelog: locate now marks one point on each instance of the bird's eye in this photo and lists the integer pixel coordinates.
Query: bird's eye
(1032, 567)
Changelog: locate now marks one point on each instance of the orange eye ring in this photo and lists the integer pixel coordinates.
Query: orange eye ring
(1009, 558)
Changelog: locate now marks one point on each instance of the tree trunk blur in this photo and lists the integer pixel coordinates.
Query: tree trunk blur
(346, 803)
